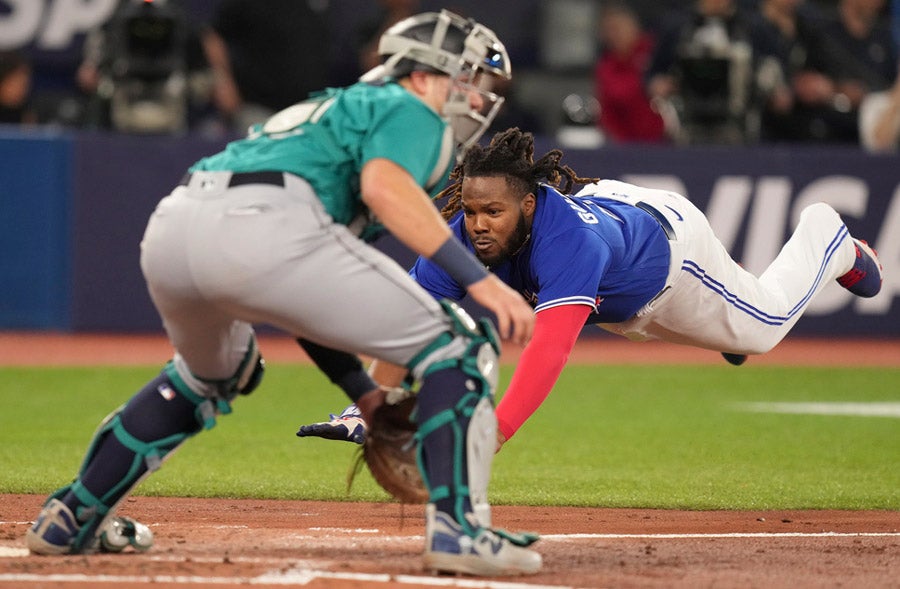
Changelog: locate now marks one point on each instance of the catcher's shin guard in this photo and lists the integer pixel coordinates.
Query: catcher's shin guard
(455, 414)
(135, 439)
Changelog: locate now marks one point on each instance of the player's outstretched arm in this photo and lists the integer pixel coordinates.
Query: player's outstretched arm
(349, 425)
(556, 331)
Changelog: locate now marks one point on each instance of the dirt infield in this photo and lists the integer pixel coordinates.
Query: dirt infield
(231, 543)
(236, 543)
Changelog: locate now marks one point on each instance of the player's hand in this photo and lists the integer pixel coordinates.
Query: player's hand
(501, 439)
(515, 319)
(349, 426)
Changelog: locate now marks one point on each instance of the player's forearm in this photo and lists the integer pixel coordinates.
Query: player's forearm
(406, 211)
(555, 333)
(343, 369)
(403, 207)
(887, 128)
(216, 52)
(527, 390)
(387, 374)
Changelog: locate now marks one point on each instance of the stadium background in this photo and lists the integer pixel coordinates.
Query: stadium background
(73, 203)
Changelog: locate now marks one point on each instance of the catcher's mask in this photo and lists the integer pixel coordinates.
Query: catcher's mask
(461, 48)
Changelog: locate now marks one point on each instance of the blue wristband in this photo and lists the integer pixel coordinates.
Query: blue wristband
(459, 263)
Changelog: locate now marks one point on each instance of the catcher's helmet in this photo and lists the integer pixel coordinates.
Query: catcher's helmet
(446, 43)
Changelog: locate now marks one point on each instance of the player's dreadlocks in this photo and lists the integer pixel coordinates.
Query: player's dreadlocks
(510, 154)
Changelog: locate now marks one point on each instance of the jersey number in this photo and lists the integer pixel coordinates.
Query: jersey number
(292, 117)
(586, 216)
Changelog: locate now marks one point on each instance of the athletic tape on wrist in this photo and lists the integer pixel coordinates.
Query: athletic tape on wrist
(459, 263)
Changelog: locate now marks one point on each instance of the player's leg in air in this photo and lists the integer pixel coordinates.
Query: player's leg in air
(743, 313)
(863, 279)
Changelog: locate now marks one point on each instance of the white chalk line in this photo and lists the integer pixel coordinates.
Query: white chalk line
(16, 552)
(565, 537)
(304, 572)
(294, 578)
(879, 409)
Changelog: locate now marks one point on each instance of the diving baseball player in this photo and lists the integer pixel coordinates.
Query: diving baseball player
(639, 262)
(268, 230)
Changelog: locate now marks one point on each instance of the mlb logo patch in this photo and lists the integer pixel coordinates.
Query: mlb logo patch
(166, 392)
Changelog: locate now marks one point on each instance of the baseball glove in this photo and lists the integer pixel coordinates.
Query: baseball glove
(390, 451)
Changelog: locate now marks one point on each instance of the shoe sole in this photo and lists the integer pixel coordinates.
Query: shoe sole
(472, 564)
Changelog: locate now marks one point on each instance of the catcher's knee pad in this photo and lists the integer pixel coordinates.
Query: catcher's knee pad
(481, 444)
(457, 436)
(471, 346)
(214, 397)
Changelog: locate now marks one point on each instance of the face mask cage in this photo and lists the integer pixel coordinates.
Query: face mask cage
(480, 58)
(483, 59)
(468, 121)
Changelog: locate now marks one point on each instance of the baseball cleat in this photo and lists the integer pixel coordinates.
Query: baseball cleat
(735, 359)
(864, 279)
(54, 531)
(450, 550)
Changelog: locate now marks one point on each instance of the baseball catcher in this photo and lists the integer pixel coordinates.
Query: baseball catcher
(272, 230)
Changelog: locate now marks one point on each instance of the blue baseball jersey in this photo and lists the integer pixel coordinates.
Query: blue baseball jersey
(592, 251)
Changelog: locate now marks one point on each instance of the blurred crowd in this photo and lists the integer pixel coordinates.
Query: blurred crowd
(691, 72)
(774, 71)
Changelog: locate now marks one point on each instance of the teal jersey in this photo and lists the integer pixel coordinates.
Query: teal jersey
(328, 138)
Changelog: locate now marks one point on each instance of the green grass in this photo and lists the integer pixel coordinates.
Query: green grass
(649, 436)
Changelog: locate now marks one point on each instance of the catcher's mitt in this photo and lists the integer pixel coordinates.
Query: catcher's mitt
(390, 451)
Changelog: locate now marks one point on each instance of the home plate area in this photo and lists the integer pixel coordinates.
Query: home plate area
(234, 542)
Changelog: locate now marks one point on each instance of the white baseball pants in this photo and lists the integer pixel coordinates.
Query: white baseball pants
(711, 302)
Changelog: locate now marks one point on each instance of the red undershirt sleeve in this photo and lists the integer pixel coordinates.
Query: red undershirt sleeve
(555, 332)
